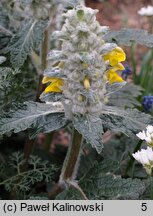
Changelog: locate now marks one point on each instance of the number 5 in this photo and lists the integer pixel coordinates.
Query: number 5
(144, 207)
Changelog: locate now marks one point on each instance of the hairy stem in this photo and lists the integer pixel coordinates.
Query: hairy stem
(27, 151)
(44, 52)
(70, 165)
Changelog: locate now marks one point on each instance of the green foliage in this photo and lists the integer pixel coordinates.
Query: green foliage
(91, 129)
(36, 116)
(28, 38)
(145, 77)
(128, 121)
(14, 86)
(54, 97)
(128, 36)
(98, 183)
(110, 187)
(126, 96)
(21, 181)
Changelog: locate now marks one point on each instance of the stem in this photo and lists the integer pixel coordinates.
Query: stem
(44, 52)
(70, 165)
(27, 151)
(131, 161)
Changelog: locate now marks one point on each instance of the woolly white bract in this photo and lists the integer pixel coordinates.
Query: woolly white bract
(146, 11)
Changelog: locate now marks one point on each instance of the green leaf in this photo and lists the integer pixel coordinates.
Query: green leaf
(25, 40)
(37, 116)
(5, 33)
(21, 181)
(128, 121)
(126, 97)
(111, 88)
(97, 185)
(91, 129)
(127, 36)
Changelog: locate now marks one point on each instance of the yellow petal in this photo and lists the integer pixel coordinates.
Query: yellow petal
(116, 68)
(50, 79)
(115, 56)
(114, 77)
(120, 66)
(53, 87)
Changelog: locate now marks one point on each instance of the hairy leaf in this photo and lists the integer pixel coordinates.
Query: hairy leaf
(37, 116)
(5, 33)
(128, 121)
(126, 97)
(91, 129)
(96, 184)
(127, 36)
(25, 40)
(111, 88)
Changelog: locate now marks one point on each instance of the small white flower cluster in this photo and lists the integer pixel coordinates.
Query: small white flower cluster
(146, 11)
(147, 135)
(145, 156)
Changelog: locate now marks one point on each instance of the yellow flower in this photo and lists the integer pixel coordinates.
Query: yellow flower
(55, 86)
(114, 77)
(115, 56)
(112, 74)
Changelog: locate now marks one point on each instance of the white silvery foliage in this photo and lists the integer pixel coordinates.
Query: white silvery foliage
(84, 87)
